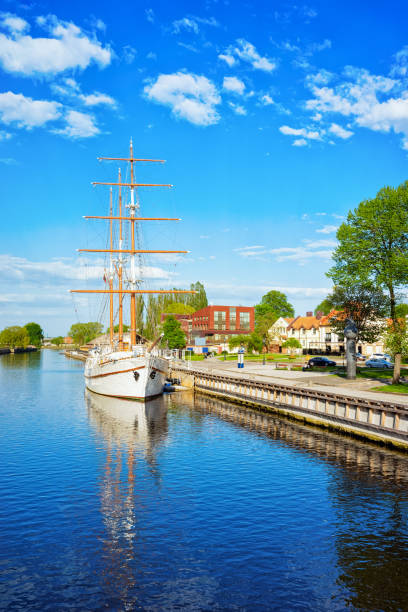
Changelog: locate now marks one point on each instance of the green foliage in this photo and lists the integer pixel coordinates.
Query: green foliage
(324, 307)
(251, 342)
(199, 299)
(373, 244)
(263, 323)
(14, 336)
(365, 304)
(291, 343)
(396, 338)
(58, 340)
(116, 328)
(401, 310)
(82, 333)
(276, 302)
(174, 336)
(35, 333)
(179, 308)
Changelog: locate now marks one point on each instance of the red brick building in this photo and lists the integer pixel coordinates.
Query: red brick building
(218, 323)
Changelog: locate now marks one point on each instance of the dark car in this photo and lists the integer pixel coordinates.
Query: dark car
(320, 361)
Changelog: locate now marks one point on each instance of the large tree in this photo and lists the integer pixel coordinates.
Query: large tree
(373, 247)
(81, 333)
(263, 323)
(179, 308)
(35, 333)
(276, 302)
(324, 307)
(173, 337)
(252, 342)
(198, 300)
(365, 304)
(14, 336)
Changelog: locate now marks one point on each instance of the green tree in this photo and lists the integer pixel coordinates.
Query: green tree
(198, 300)
(174, 336)
(396, 342)
(373, 246)
(116, 328)
(401, 310)
(14, 336)
(82, 333)
(179, 308)
(324, 307)
(291, 343)
(251, 342)
(263, 323)
(275, 301)
(35, 333)
(363, 303)
(58, 340)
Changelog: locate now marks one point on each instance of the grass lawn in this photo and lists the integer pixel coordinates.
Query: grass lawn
(401, 388)
(268, 357)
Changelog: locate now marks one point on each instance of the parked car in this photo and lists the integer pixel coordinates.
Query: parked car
(360, 357)
(376, 362)
(380, 356)
(320, 361)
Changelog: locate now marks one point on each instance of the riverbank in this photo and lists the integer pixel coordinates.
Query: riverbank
(316, 398)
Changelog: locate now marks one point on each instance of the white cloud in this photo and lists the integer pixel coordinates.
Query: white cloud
(266, 100)
(303, 132)
(26, 112)
(185, 24)
(79, 125)
(233, 84)
(229, 59)
(299, 142)
(248, 53)
(68, 47)
(97, 99)
(129, 54)
(328, 229)
(301, 254)
(237, 108)
(14, 24)
(339, 131)
(315, 244)
(189, 96)
(249, 248)
(150, 15)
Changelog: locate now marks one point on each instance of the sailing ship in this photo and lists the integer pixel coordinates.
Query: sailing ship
(132, 370)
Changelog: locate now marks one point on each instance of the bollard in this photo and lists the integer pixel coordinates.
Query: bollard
(241, 357)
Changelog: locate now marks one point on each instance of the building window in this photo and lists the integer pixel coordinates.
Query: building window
(314, 330)
(219, 319)
(328, 337)
(233, 318)
(244, 320)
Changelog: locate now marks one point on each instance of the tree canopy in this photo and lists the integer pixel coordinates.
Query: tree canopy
(35, 333)
(373, 245)
(365, 304)
(174, 337)
(263, 323)
(401, 310)
(276, 302)
(14, 336)
(179, 308)
(324, 307)
(58, 340)
(251, 342)
(198, 300)
(291, 343)
(82, 333)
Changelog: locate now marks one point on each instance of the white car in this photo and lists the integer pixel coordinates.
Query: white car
(376, 362)
(380, 356)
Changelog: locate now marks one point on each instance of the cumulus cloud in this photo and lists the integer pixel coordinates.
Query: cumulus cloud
(26, 112)
(328, 229)
(13, 23)
(189, 96)
(339, 131)
(67, 47)
(317, 249)
(248, 53)
(78, 125)
(303, 132)
(227, 58)
(299, 142)
(233, 84)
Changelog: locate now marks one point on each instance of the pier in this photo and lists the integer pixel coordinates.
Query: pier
(358, 413)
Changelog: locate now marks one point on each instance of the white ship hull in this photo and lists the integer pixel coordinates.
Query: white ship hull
(126, 375)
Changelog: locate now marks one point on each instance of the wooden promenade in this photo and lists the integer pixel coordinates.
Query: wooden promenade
(360, 414)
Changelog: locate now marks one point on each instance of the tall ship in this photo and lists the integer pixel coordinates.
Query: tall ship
(132, 369)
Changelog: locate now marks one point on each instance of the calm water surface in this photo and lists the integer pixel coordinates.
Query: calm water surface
(187, 504)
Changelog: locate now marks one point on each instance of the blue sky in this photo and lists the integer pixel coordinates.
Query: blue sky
(275, 119)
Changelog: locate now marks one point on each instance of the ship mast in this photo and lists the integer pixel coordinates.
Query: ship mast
(111, 272)
(120, 291)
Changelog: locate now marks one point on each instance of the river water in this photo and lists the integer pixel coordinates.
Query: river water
(187, 503)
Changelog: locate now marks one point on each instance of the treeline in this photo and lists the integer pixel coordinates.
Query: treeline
(21, 337)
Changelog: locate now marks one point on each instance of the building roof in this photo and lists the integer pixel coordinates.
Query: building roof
(304, 322)
(325, 320)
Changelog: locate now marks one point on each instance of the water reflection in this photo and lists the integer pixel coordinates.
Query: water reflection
(132, 432)
(369, 499)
